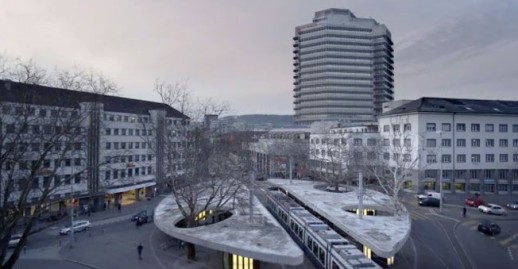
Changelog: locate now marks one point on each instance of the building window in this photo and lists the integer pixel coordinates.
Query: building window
(503, 143)
(502, 128)
(115, 174)
(446, 158)
(386, 142)
(515, 142)
(123, 131)
(490, 142)
(407, 127)
(515, 128)
(430, 173)
(116, 145)
(461, 142)
(357, 141)
(395, 128)
(475, 158)
(386, 156)
(502, 187)
(107, 175)
(475, 143)
(123, 145)
(108, 131)
(77, 161)
(446, 127)
(430, 127)
(116, 131)
(461, 158)
(108, 145)
(475, 127)
(490, 158)
(130, 131)
(408, 142)
(371, 142)
(490, 128)
(461, 127)
(431, 143)
(503, 158)
(446, 142)
(396, 142)
(431, 158)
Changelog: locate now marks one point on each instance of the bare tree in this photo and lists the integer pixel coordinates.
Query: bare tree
(84, 80)
(392, 163)
(38, 148)
(201, 166)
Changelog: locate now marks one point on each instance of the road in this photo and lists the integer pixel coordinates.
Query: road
(447, 240)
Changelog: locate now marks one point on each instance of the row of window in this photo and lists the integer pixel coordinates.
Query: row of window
(37, 147)
(127, 145)
(26, 165)
(473, 173)
(343, 141)
(123, 131)
(475, 158)
(42, 113)
(45, 129)
(128, 158)
(446, 127)
(130, 172)
(475, 142)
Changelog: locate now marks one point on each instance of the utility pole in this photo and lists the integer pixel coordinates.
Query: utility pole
(71, 233)
(440, 175)
(360, 194)
(251, 196)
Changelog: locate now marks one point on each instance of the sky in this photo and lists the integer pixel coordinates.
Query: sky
(240, 52)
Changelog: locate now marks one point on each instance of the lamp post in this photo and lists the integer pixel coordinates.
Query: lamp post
(440, 170)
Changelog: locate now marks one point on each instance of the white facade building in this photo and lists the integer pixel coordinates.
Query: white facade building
(473, 142)
(343, 68)
(119, 143)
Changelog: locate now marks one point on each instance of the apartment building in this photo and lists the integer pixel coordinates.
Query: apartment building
(472, 144)
(343, 68)
(89, 148)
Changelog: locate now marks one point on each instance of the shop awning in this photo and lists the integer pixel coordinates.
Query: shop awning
(130, 187)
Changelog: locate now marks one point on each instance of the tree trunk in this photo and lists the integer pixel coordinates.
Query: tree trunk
(191, 251)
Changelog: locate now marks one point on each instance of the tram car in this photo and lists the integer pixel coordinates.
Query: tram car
(325, 247)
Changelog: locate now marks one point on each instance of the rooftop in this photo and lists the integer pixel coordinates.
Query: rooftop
(385, 235)
(258, 240)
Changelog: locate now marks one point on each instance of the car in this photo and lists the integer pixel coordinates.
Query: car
(429, 194)
(429, 201)
(513, 205)
(144, 216)
(474, 202)
(77, 226)
(15, 239)
(492, 209)
(488, 227)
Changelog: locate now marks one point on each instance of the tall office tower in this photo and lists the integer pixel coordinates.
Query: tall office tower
(343, 68)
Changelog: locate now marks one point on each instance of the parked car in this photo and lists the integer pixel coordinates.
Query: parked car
(513, 205)
(429, 194)
(474, 201)
(492, 209)
(15, 239)
(145, 216)
(77, 226)
(488, 227)
(429, 201)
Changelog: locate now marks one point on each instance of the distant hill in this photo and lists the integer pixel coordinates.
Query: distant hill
(262, 120)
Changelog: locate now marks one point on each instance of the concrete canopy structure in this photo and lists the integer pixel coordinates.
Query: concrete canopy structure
(264, 239)
(384, 235)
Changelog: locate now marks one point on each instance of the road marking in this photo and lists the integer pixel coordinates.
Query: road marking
(418, 216)
(469, 222)
(442, 216)
(509, 239)
(510, 254)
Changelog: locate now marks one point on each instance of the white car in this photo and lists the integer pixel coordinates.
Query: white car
(492, 209)
(429, 194)
(15, 239)
(77, 226)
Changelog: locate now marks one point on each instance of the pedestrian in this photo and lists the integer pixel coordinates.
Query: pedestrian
(464, 212)
(139, 249)
(119, 207)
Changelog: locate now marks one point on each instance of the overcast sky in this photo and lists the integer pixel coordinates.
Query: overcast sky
(241, 51)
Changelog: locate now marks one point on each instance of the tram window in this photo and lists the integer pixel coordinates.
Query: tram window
(334, 266)
(321, 256)
(310, 242)
(315, 249)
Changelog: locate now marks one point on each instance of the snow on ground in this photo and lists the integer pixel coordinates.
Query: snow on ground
(385, 235)
(264, 239)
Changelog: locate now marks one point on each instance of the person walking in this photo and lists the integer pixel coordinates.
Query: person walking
(139, 250)
(119, 207)
(464, 212)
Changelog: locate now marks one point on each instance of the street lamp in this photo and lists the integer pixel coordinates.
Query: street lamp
(440, 170)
